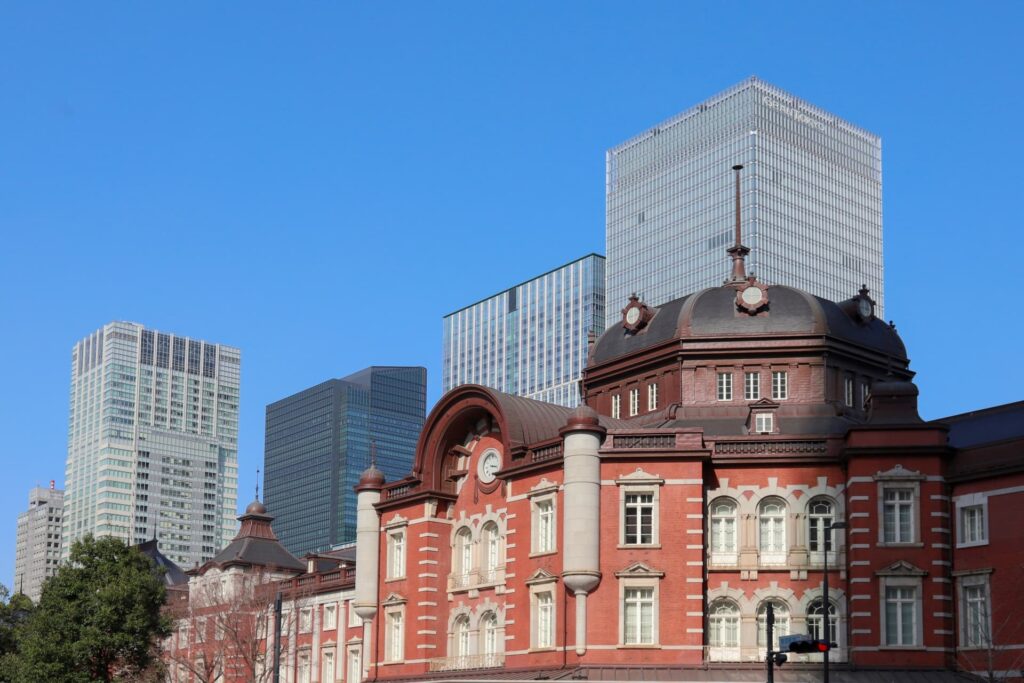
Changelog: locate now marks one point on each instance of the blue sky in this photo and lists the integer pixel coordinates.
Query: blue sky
(318, 183)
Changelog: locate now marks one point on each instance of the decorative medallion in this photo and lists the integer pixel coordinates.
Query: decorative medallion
(752, 297)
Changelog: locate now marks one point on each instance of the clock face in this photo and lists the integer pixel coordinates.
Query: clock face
(633, 315)
(752, 296)
(490, 463)
(864, 308)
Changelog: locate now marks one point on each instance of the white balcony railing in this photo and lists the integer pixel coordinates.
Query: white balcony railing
(491, 660)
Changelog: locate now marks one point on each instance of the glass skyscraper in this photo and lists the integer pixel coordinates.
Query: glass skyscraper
(318, 444)
(153, 441)
(811, 200)
(530, 340)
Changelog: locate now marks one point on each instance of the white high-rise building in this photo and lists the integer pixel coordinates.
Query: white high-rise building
(811, 200)
(38, 543)
(153, 441)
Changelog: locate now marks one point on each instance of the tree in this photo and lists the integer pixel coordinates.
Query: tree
(99, 619)
(14, 611)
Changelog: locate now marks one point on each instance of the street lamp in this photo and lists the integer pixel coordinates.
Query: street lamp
(826, 605)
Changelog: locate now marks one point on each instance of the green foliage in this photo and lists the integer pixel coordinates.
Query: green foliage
(99, 619)
(14, 611)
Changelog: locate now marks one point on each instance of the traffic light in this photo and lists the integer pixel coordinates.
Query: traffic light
(810, 646)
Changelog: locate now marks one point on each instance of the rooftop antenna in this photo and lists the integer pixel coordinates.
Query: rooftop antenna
(738, 252)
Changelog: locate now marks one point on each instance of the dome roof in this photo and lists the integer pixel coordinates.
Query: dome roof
(371, 478)
(256, 508)
(712, 313)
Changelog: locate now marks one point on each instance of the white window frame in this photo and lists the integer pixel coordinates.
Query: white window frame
(901, 582)
(652, 396)
(464, 551)
(723, 386)
(544, 618)
(720, 554)
(974, 580)
(773, 556)
(721, 623)
(303, 666)
(764, 422)
(397, 546)
(912, 506)
(634, 401)
(865, 395)
(462, 638)
(491, 556)
(354, 663)
(783, 624)
(639, 578)
(394, 634)
(965, 505)
(544, 532)
(305, 620)
(816, 622)
(751, 386)
(330, 617)
(640, 484)
(354, 619)
(818, 521)
(486, 635)
(616, 406)
(848, 391)
(328, 664)
(780, 385)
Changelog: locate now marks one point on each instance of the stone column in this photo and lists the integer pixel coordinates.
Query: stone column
(367, 555)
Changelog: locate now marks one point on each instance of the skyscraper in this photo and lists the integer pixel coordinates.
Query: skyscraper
(153, 441)
(811, 200)
(38, 542)
(318, 444)
(531, 339)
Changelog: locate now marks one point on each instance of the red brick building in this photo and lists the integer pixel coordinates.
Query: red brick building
(642, 537)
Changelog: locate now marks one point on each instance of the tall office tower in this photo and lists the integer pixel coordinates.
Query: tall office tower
(38, 543)
(153, 441)
(318, 444)
(811, 200)
(531, 339)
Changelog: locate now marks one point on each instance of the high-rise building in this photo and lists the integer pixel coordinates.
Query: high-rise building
(318, 442)
(153, 441)
(38, 542)
(811, 200)
(531, 339)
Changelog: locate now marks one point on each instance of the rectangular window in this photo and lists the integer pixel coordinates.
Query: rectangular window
(780, 385)
(302, 676)
(355, 666)
(972, 524)
(634, 402)
(898, 515)
(763, 423)
(616, 406)
(545, 621)
(652, 397)
(545, 511)
(327, 666)
(330, 617)
(639, 519)
(848, 392)
(865, 395)
(638, 616)
(974, 616)
(396, 554)
(725, 386)
(900, 615)
(353, 618)
(305, 620)
(395, 648)
(751, 386)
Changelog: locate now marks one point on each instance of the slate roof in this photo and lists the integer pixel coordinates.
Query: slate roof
(531, 421)
(172, 574)
(257, 545)
(712, 313)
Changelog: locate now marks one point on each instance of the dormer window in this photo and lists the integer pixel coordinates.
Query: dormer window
(764, 423)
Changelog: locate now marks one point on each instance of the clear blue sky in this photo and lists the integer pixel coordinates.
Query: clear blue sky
(318, 183)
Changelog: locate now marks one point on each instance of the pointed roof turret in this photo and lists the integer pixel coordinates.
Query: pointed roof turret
(256, 544)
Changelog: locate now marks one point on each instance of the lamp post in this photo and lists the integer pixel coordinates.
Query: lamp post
(826, 605)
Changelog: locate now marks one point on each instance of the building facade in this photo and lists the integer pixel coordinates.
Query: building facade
(530, 340)
(38, 541)
(153, 441)
(734, 443)
(318, 441)
(811, 197)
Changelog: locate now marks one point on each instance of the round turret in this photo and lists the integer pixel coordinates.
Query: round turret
(372, 478)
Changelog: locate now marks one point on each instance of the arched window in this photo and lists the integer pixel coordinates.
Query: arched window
(772, 523)
(460, 637)
(463, 551)
(491, 555)
(816, 621)
(489, 639)
(723, 531)
(724, 627)
(781, 627)
(820, 514)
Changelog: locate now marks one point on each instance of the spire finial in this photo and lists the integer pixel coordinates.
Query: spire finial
(257, 483)
(738, 252)
(373, 452)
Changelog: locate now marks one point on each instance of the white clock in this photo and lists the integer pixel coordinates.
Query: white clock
(633, 316)
(864, 308)
(490, 463)
(752, 295)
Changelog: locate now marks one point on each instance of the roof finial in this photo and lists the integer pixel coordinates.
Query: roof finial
(257, 483)
(738, 251)
(373, 452)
